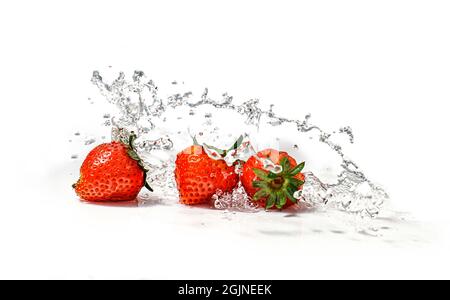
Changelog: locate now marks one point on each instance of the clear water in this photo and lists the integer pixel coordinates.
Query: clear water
(166, 122)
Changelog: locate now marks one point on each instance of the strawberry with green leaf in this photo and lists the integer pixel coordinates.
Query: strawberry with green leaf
(112, 172)
(201, 171)
(272, 189)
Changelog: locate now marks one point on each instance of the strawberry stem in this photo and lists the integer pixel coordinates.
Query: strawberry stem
(277, 188)
(224, 153)
(194, 140)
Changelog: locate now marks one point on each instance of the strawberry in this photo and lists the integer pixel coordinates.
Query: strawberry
(111, 172)
(199, 176)
(272, 189)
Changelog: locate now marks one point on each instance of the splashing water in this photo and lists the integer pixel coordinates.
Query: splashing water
(236, 200)
(165, 124)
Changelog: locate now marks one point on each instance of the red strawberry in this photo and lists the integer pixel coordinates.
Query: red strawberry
(199, 177)
(272, 189)
(111, 172)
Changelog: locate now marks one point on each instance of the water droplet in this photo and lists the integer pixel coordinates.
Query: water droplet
(89, 142)
(349, 132)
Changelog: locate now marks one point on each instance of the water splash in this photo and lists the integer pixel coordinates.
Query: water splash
(144, 111)
(236, 200)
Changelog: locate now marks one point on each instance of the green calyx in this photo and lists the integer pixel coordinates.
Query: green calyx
(221, 152)
(277, 188)
(133, 154)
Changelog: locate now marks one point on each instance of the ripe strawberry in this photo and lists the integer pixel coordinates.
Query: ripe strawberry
(111, 172)
(199, 177)
(272, 189)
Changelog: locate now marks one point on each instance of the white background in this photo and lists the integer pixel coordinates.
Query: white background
(382, 67)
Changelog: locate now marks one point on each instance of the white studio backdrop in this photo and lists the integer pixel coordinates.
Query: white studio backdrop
(381, 67)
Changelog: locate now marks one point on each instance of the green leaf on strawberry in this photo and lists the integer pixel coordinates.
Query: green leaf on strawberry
(278, 188)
